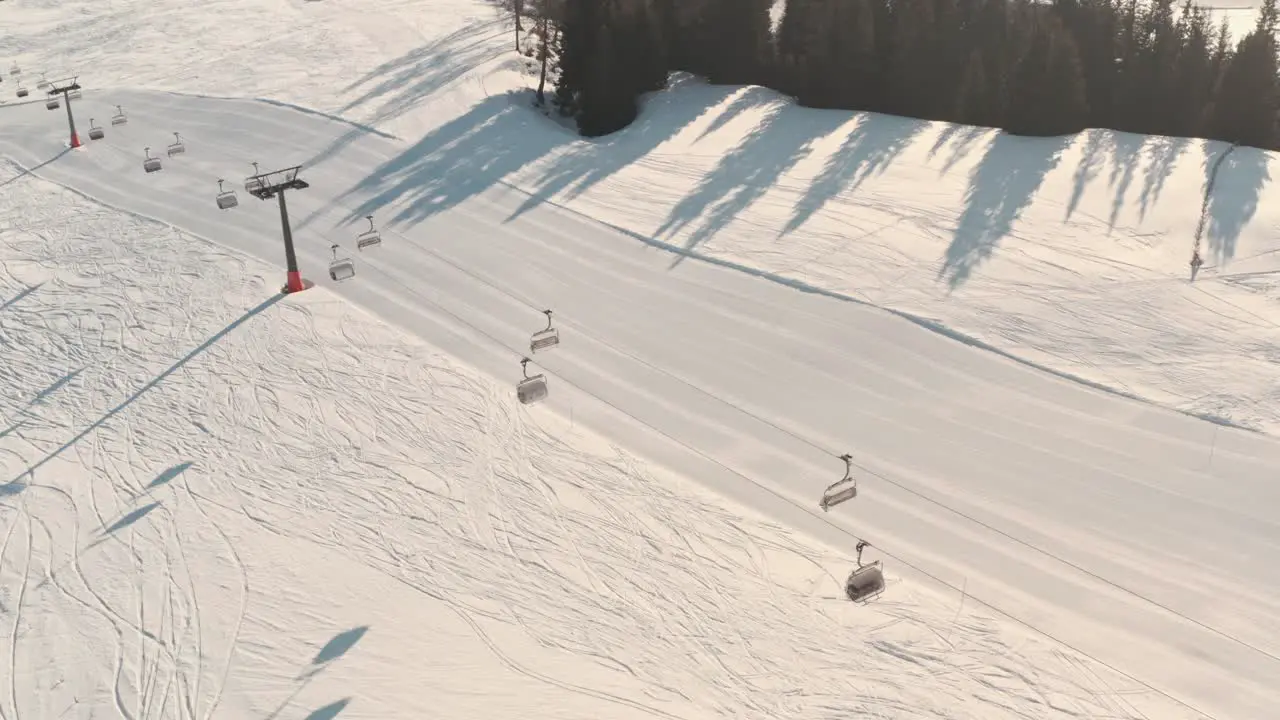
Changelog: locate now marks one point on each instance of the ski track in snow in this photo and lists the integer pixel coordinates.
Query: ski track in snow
(189, 623)
(372, 444)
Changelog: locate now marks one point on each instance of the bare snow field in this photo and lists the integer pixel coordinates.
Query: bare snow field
(224, 503)
(221, 502)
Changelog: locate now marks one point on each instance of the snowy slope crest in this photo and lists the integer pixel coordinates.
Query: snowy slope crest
(217, 502)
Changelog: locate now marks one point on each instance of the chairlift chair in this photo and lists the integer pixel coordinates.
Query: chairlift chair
(369, 237)
(845, 488)
(254, 183)
(865, 583)
(22, 92)
(545, 339)
(73, 94)
(531, 389)
(15, 70)
(177, 148)
(95, 132)
(150, 164)
(341, 268)
(53, 103)
(43, 84)
(226, 198)
(119, 118)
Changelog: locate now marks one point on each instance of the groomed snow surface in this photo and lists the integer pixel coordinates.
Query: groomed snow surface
(220, 502)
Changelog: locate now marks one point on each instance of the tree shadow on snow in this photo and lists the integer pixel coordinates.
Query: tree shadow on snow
(396, 86)
(1000, 188)
(663, 116)
(1127, 151)
(961, 138)
(1234, 199)
(1162, 154)
(456, 162)
(747, 172)
(875, 141)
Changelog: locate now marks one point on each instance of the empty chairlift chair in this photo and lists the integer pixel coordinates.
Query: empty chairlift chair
(15, 70)
(53, 103)
(150, 164)
(73, 94)
(253, 183)
(43, 84)
(546, 338)
(341, 268)
(866, 582)
(531, 389)
(22, 92)
(95, 132)
(845, 488)
(369, 237)
(177, 147)
(119, 118)
(226, 198)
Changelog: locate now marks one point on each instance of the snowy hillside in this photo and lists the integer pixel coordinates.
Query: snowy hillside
(214, 496)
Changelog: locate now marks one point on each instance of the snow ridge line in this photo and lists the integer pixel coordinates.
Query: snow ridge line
(929, 324)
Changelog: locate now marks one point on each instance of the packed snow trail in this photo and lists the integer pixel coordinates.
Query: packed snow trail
(285, 508)
(1023, 488)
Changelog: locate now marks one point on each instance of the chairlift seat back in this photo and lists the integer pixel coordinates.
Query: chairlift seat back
(53, 105)
(544, 339)
(342, 269)
(227, 200)
(119, 119)
(151, 164)
(865, 583)
(176, 149)
(840, 492)
(532, 389)
(96, 133)
(368, 239)
(74, 94)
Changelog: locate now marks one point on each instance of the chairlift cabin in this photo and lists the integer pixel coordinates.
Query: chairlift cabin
(253, 183)
(177, 147)
(531, 389)
(150, 164)
(369, 237)
(546, 338)
(846, 488)
(226, 198)
(52, 103)
(865, 583)
(95, 132)
(341, 268)
(119, 118)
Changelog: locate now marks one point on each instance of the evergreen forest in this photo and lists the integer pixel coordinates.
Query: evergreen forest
(1046, 68)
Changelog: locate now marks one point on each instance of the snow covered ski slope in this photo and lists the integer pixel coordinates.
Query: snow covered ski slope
(720, 273)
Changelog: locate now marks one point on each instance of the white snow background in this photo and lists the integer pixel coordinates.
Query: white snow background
(220, 502)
